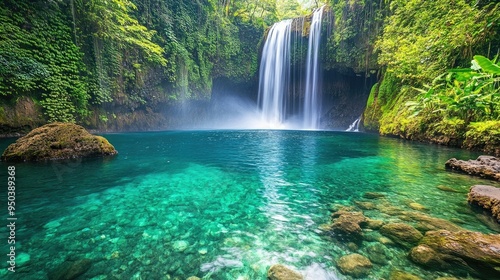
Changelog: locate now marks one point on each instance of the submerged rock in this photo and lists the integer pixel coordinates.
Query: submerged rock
(417, 206)
(348, 224)
(378, 253)
(281, 272)
(57, 141)
(447, 189)
(401, 275)
(355, 265)
(401, 233)
(426, 222)
(373, 195)
(487, 197)
(426, 256)
(463, 251)
(70, 270)
(484, 166)
(180, 245)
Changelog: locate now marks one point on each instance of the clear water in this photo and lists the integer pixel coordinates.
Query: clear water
(223, 204)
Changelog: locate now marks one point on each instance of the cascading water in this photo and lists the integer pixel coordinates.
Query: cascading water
(277, 100)
(274, 74)
(354, 126)
(312, 98)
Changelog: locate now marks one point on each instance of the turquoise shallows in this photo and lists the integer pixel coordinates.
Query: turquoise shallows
(226, 204)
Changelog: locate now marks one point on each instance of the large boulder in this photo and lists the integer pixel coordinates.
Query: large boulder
(484, 166)
(401, 233)
(487, 197)
(281, 272)
(461, 252)
(57, 141)
(355, 265)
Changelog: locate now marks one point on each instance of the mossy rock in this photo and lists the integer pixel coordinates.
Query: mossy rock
(57, 141)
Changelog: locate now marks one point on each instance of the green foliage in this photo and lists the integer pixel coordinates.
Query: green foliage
(356, 24)
(111, 19)
(423, 38)
(38, 58)
(467, 94)
(483, 135)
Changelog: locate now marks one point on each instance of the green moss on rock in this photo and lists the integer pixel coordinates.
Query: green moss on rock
(58, 141)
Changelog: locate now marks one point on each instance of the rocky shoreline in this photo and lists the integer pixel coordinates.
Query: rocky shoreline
(487, 167)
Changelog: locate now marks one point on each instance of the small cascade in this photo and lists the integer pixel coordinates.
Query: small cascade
(354, 127)
(312, 98)
(274, 74)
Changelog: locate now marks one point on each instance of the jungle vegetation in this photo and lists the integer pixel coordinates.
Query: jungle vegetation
(93, 61)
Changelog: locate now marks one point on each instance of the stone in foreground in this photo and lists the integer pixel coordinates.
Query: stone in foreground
(463, 252)
(281, 272)
(484, 166)
(57, 141)
(401, 233)
(355, 265)
(486, 197)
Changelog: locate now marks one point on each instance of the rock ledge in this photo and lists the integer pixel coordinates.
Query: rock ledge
(487, 197)
(484, 166)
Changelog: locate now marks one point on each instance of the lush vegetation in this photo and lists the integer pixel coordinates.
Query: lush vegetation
(85, 60)
(103, 61)
(429, 90)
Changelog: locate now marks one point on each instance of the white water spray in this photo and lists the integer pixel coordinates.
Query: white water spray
(312, 98)
(354, 126)
(274, 74)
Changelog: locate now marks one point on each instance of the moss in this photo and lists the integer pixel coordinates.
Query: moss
(57, 141)
(483, 136)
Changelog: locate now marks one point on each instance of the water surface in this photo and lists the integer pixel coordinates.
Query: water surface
(225, 204)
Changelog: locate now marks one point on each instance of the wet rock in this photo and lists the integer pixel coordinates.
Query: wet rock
(373, 195)
(57, 141)
(402, 275)
(378, 253)
(355, 265)
(374, 224)
(70, 270)
(402, 234)
(484, 166)
(417, 206)
(352, 246)
(180, 245)
(447, 189)
(348, 224)
(281, 272)
(464, 251)
(426, 222)
(486, 197)
(390, 210)
(426, 256)
(365, 205)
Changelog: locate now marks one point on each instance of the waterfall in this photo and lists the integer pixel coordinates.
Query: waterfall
(355, 125)
(312, 98)
(274, 74)
(280, 102)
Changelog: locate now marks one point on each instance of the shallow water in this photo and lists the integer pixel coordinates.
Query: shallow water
(224, 204)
